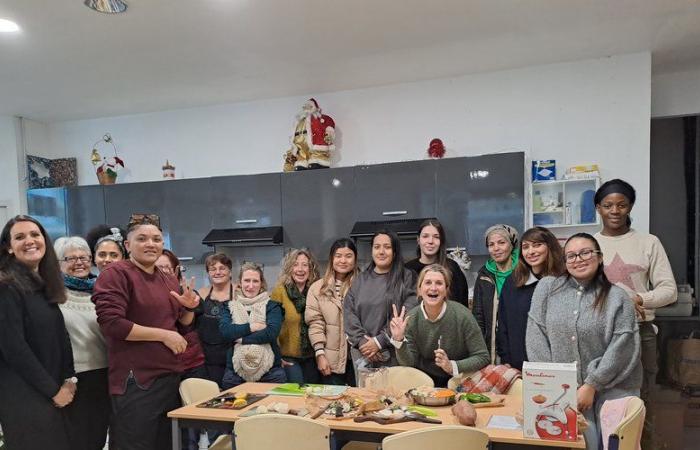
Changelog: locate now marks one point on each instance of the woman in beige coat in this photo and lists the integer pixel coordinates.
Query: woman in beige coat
(324, 314)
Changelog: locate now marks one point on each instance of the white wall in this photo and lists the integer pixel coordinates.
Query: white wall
(675, 94)
(12, 198)
(594, 111)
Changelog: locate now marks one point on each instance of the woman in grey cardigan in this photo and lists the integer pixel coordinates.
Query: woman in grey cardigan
(582, 317)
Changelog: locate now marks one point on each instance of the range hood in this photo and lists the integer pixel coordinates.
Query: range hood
(403, 227)
(244, 237)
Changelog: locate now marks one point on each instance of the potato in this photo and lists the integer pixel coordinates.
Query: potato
(465, 413)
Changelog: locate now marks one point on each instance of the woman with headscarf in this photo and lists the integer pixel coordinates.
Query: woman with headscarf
(502, 244)
(637, 263)
(89, 414)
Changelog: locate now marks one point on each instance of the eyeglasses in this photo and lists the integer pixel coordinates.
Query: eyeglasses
(143, 219)
(583, 255)
(75, 259)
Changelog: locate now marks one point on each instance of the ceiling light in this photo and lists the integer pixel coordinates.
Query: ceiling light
(106, 6)
(8, 26)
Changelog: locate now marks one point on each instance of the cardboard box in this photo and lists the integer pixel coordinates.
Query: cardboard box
(549, 401)
(692, 412)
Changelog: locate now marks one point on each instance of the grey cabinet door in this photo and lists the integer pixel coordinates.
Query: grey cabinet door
(122, 200)
(48, 206)
(246, 201)
(477, 192)
(394, 191)
(85, 208)
(189, 216)
(317, 208)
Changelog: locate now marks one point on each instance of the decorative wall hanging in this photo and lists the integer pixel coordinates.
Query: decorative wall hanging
(168, 171)
(46, 173)
(106, 167)
(314, 139)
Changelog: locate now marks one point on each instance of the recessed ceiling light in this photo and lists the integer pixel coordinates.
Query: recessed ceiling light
(8, 26)
(106, 6)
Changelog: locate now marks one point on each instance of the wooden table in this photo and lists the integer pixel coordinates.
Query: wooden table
(193, 417)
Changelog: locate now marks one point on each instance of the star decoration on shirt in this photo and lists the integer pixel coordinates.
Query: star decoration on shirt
(619, 272)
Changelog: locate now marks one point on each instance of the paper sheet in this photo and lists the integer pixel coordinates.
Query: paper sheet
(503, 422)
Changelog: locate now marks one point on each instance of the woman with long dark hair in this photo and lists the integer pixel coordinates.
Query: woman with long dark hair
(324, 314)
(582, 317)
(367, 308)
(431, 249)
(36, 361)
(540, 256)
(637, 263)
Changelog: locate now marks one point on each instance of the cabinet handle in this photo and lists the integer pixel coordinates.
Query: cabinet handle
(185, 258)
(242, 221)
(394, 213)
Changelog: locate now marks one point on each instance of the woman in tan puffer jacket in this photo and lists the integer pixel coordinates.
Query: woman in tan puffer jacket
(324, 314)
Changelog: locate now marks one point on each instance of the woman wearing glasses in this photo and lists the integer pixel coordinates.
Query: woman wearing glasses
(142, 313)
(582, 317)
(215, 299)
(36, 362)
(88, 415)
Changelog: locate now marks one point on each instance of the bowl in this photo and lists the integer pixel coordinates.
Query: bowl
(432, 400)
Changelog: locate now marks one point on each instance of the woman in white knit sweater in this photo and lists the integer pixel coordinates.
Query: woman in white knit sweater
(88, 415)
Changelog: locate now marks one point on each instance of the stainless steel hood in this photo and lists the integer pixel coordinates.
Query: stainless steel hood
(244, 237)
(403, 227)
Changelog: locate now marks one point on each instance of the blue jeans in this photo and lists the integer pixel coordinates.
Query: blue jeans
(302, 370)
(274, 375)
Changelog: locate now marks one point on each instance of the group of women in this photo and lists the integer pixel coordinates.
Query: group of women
(81, 353)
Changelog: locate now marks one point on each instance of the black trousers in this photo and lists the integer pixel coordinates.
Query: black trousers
(29, 420)
(140, 415)
(87, 417)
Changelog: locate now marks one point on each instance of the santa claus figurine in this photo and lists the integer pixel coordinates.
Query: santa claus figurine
(314, 138)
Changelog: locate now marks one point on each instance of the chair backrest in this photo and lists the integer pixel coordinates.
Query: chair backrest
(193, 390)
(281, 431)
(405, 378)
(443, 437)
(516, 388)
(628, 433)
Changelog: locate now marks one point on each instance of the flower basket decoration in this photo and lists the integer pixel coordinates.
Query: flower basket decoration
(106, 167)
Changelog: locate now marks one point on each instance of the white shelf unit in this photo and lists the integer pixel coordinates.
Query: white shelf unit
(558, 203)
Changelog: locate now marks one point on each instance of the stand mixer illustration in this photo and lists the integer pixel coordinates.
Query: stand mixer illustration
(555, 420)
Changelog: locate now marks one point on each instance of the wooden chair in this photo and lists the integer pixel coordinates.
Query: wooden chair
(629, 432)
(444, 437)
(281, 431)
(405, 378)
(194, 390)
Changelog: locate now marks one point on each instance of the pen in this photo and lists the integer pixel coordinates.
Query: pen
(440, 342)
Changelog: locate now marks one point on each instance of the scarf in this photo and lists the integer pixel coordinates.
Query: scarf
(501, 276)
(299, 301)
(79, 284)
(251, 361)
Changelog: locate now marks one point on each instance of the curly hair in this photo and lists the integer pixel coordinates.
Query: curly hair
(290, 258)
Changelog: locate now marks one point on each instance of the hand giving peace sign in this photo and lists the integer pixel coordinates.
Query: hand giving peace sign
(398, 323)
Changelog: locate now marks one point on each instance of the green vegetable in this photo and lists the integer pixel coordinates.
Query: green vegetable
(475, 398)
(427, 412)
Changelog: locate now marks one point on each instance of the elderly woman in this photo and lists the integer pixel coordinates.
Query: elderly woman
(88, 415)
(107, 244)
(299, 271)
(502, 245)
(143, 314)
(36, 362)
(439, 336)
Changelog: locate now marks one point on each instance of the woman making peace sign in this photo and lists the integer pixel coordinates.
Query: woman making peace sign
(438, 336)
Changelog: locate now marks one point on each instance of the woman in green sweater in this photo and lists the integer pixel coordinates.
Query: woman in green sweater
(438, 336)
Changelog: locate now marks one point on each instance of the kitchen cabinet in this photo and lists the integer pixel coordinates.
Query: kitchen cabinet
(189, 214)
(85, 208)
(404, 190)
(246, 201)
(317, 208)
(48, 206)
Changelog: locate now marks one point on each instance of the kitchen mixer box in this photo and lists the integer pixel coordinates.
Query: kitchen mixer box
(549, 401)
